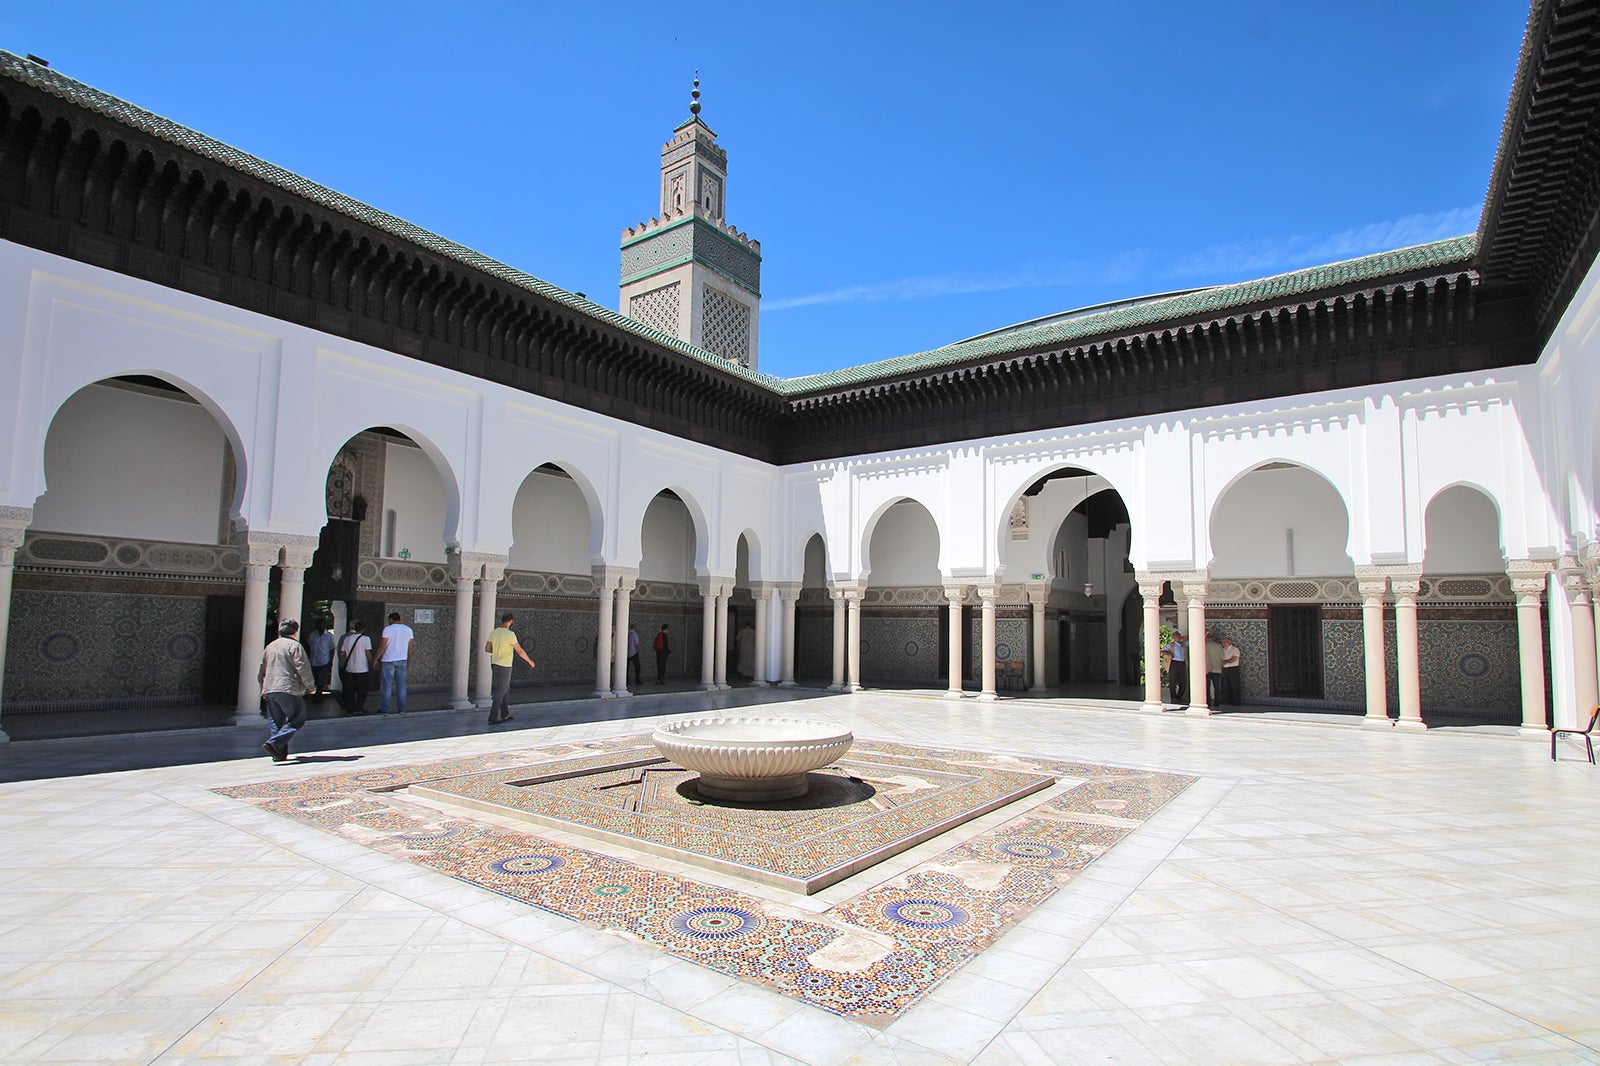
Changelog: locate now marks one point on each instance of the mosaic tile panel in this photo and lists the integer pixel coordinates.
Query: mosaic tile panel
(433, 649)
(898, 647)
(870, 957)
(103, 646)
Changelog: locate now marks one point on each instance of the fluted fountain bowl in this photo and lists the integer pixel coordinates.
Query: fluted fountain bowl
(752, 760)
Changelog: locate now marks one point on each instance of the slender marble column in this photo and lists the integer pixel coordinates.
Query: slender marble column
(954, 594)
(461, 652)
(1150, 594)
(488, 596)
(292, 589)
(1528, 580)
(839, 638)
(758, 669)
(987, 595)
(12, 533)
(852, 611)
(790, 595)
(723, 592)
(1194, 590)
(619, 652)
(259, 558)
(708, 635)
(1039, 596)
(1586, 686)
(1377, 656)
(602, 638)
(1407, 651)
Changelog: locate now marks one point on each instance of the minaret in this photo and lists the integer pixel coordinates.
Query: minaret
(688, 272)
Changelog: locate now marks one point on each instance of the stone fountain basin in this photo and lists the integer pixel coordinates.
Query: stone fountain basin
(752, 760)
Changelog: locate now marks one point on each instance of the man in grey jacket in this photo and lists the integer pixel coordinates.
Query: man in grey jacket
(285, 678)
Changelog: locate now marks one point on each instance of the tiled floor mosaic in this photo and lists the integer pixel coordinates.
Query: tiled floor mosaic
(869, 957)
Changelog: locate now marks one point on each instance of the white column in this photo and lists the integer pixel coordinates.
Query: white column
(1150, 593)
(839, 637)
(461, 651)
(1039, 596)
(724, 590)
(987, 595)
(13, 529)
(602, 639)
(488, 596)
(789, 594)
(619, 650)
(1407, 651)
(1586, 686)
(292, 591)
(259, 558)
(758, 669)
(954, 595)
(1528, 580)
(852, 639)
(1373, 591)
(708, 634)
(1194, 592)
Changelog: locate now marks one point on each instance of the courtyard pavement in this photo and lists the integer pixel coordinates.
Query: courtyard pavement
(1322, 892)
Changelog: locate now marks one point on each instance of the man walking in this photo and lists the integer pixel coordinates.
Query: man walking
(1178, 672)
(633, 654)
(284, 677)
(355, 667)
(501, 646)
(1231, 657)
(663, 648)
(319, 648)
(394, 656)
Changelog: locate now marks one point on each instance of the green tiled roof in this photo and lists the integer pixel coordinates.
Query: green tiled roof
(1125, 316)
(92, 99)
(1154, 312)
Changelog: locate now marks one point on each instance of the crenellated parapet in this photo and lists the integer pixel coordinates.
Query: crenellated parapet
(677, 218)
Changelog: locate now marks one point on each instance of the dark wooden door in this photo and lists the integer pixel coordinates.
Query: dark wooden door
(224, 633)
(1295, 657)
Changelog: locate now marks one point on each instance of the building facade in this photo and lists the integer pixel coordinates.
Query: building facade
(238, 395)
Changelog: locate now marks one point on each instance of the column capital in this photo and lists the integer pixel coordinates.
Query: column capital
(955, 594)
(788, 591)
(474, 565)
(1405, 589)
(1188, 586)
(715, 585)
(259, 549)
(1528, 580)
(608, 577)
(760, 590)
(1373, 589)
(298, 551)
(988, 595)
(1574, 582)
(1150, 584)
(14, 522)
(1039, 595)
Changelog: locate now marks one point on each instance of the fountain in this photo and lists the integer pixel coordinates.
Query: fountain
(752, 760)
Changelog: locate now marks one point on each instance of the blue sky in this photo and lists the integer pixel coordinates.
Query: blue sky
(916, 173)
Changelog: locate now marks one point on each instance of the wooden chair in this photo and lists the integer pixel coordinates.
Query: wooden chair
(1586, 734)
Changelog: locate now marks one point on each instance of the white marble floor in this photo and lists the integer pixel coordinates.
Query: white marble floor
(1324, 893)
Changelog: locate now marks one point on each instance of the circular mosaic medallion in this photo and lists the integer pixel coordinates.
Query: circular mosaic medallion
(423, 835)
(715, 923)
(895, 978)
(528, 864)
(815, 980)
(799, 947)
(125, 627)
(59, 647)
(182, 648)
(866, 647)
(1473, 665)
(370, 776)
(899, 959)
(1002, 651)
(911, 649)
(611, 891)
(580, 645)
(925, 914)
(792, 964)
(1029, 849)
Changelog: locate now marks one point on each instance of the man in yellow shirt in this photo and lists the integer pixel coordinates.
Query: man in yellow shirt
(501, 646)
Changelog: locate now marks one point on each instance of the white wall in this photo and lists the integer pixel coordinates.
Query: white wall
(1250, 527)
(129, 464)
(550, 526)
(1463, 534)
(669, 548)
(413, 491)
(905, 547)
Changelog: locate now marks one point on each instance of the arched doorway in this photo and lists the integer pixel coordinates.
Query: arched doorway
(143, 484)
(901, 607)
(556, 531)
(1467, 626)
(668, 591)
(814, 617)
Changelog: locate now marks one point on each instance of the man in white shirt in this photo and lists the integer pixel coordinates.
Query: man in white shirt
(394, 655)
(355, 668)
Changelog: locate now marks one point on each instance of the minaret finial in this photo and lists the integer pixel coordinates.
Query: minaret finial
(694, 97)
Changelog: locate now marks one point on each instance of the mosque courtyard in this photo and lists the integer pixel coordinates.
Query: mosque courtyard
(1153, 888)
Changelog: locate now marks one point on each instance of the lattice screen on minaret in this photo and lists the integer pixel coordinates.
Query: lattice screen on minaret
(657, 308)
(725, 327)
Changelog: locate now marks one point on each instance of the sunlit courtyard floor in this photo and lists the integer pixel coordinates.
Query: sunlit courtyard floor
(1319, 891)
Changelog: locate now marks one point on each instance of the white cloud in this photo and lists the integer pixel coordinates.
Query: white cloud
(1217, 264)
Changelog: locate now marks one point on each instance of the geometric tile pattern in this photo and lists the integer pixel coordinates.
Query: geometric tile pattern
(869, 957)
